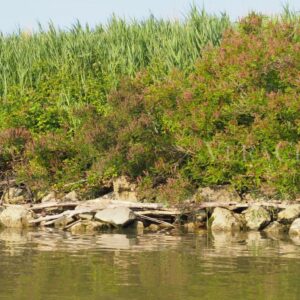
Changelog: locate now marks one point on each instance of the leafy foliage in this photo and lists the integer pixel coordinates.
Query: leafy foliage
(171, 107)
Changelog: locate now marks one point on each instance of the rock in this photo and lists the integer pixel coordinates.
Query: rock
(124, 189)
(201, 216)
(189, 227)
(78, 228)
(15, 217)
(153, 228)
(139, 226)
(288, 215)
(119, 216)
(93, 226)
(165, 225)
(295, 228)
(51, 197)
(276, 228)
(218, 194)
(15, 196)
(257, 218)
(254, 198)
(89, 227)
(224, 220)
(63, 221)
(96, 204)
(86, 216)
(71, 197)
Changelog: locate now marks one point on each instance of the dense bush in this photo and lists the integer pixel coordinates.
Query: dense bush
(234, 120)
(232, 117)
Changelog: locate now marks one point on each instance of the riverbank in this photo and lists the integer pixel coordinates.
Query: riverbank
(218, 209)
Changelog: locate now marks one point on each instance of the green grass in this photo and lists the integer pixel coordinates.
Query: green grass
(118, 49)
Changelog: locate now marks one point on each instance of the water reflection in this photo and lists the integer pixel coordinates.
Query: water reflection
(215, 244)
(49, 264)
(53, 240)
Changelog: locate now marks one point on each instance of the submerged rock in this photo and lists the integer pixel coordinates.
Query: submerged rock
(16, 217)
(257, 218)
(77, 228)
(139, 226)
(119, 216)
(190, 227)
(92, 226)
(276, 228)
(153, 228)
(224, 220)
(288, 215)
(88, 227)
(295, 228)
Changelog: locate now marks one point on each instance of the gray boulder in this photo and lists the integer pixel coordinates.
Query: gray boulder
(288, 215)
(15, 195)
(295, 228)
(119, 216)
(257, 218)
(15, 217)
(224, 220)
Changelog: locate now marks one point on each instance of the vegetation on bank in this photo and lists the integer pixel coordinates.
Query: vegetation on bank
(172, 105)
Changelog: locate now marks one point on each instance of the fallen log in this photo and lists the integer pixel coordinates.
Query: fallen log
(53, 205)
(161, 213)
(103, 203)
(141, 216)
(72, 224)
(67, 213)
(236, 205)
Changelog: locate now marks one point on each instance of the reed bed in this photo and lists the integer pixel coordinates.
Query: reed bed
(111, 51)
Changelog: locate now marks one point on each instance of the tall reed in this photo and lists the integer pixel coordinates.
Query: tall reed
(114, 50)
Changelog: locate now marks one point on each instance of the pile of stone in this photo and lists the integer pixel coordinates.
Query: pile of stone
(69, 213)
(219, 209)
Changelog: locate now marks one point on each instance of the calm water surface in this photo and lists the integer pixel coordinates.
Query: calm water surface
(54, 265)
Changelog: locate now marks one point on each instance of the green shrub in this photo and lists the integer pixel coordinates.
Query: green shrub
(147, 109)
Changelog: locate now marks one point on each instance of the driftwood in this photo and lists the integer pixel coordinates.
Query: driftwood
(162, 213)
(67, 213)
(105, 203)
(88, 207)
(72, 224)
(245, 205)
(42, 206)
(154, 220)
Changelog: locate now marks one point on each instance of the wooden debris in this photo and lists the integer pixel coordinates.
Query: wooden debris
(236, 205)
(154, 220)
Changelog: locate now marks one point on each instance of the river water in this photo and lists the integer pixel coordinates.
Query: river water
(55, 265)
